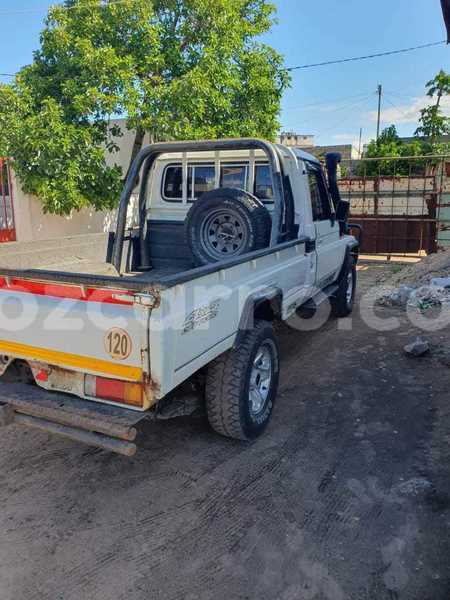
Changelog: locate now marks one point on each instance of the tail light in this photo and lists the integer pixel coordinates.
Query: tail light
(122, 392)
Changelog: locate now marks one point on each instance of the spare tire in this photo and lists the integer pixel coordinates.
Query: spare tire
(226, 223)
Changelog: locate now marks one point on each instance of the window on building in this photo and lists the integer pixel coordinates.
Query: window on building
(6, 206)
(320, 198)
(4, 179)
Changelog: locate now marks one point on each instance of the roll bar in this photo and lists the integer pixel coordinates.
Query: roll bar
(150, 154)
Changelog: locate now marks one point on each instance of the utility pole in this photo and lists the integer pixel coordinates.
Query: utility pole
(360, 142)
(380, 93)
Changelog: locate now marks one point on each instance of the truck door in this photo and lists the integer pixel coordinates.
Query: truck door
(327, 229)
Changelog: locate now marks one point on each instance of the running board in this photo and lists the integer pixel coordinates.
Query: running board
(313, 303)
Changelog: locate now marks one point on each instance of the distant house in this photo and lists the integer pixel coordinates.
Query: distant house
(297, 140)
(306, 142)
(347, 151)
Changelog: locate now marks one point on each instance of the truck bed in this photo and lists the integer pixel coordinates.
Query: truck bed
(78, 255)
(77, 261)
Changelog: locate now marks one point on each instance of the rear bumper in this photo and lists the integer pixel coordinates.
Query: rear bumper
(100, 425)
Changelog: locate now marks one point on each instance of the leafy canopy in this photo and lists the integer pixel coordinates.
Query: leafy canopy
(176, 69)
(433, 123)
(387, 146)
(433, 126)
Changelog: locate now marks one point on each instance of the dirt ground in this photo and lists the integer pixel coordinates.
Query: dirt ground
(347, 496)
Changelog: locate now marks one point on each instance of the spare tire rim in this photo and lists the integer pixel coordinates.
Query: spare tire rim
(260, 379)
(224, 234)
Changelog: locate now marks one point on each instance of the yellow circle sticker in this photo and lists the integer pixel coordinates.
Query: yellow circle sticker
(118, 344)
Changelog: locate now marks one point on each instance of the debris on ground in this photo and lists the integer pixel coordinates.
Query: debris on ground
(443, 355)
(414, 487)
(419, 347)
(421, 273)
(422, 286)
(443, 282)
(428, 296)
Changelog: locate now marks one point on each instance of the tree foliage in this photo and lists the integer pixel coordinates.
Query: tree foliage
(433, 123)
(388, 146)
(433, 126)
(176, 69)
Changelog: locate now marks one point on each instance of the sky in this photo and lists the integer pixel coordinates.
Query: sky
(332, 102)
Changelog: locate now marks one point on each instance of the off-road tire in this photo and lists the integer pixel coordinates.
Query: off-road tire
(251, 214)
(341, 304)
(228, 381)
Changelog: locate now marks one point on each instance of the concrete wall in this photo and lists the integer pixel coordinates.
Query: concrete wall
(347, 151)
(125, 143)
(33, 224)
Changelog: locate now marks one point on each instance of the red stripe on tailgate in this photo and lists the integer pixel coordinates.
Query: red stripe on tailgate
(73, 292)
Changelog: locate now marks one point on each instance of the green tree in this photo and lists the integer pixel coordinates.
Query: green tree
(389, 146)
(433, 123)
(176, 69)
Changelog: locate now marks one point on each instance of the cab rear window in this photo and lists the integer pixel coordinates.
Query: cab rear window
(202, 178)
(173, 183)
(263, 183)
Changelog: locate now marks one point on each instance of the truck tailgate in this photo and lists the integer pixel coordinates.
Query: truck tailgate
(99, 332)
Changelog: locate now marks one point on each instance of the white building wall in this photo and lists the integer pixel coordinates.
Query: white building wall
(33, 224)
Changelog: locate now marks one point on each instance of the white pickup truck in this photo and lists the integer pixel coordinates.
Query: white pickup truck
(231, 236)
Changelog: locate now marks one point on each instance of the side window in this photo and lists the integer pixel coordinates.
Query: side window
(173, 183)
(263, 183)
(320, 199)
(234, 176)
(203, 177)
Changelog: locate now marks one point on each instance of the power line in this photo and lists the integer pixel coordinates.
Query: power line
(368, 56)
(396, 107)
(348, 117)
(330, 101)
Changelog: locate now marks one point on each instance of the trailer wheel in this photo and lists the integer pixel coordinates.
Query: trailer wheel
(242, 384)
(226, 223)
(343, 301)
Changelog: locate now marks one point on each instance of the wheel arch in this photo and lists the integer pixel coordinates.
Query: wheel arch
(351, 251)
(265, 304)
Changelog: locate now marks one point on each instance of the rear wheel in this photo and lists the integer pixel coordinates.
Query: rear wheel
(242, 384)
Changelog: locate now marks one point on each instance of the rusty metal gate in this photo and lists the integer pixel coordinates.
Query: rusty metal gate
(401, 203)
(7, 222)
